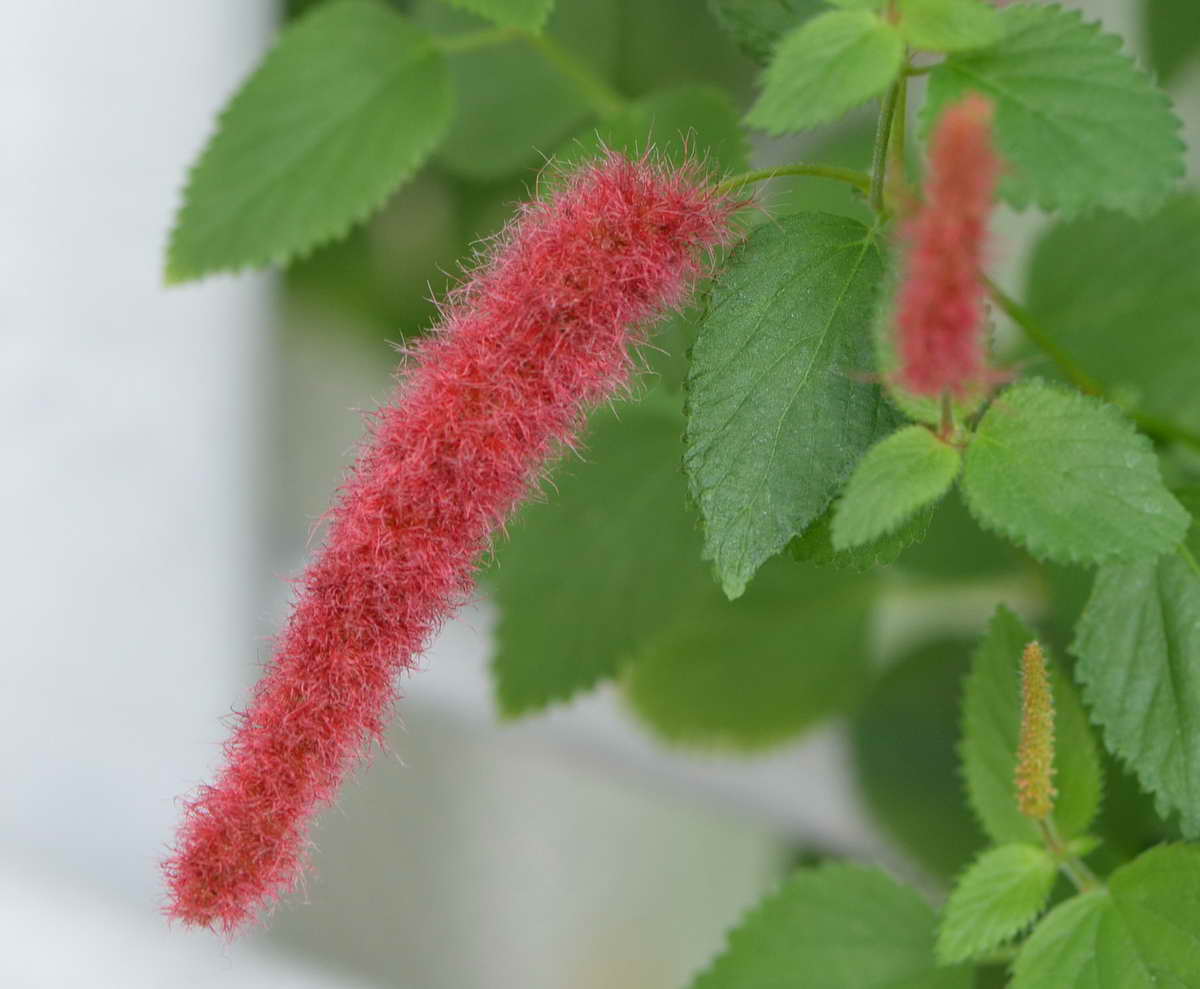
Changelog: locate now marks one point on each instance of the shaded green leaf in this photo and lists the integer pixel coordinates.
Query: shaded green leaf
(757, 25)
(1069, 478)
(1172, 28)
(956, 546)
(905, 757)
(590, 575)
(815, 544)
(780, 405)
(1142, 932)
(528, 14)
(834, 927)
(681, 123)
(949, 25)
(349, 103)
(1076, 120)
(991, 730)
(753, 672)
(1122, 298)
(896, 477)
(514, 107)
(824, 67)
(1138, 646)
(1000, 895)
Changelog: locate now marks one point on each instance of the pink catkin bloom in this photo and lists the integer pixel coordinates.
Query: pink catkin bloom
(540, 333)
(940, 314)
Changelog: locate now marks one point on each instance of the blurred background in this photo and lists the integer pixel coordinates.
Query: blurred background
(170, 451)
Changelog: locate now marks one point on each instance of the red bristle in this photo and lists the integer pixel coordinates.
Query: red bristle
(538, 335)
(940, 315)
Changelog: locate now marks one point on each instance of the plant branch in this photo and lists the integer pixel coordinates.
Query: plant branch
(452, 44)
(860, 180)
(1074, 868)
(600, 96)
(1039, 336)
(879, 157)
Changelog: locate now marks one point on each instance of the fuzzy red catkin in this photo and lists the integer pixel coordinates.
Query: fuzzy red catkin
(940, 313)
(540, 333)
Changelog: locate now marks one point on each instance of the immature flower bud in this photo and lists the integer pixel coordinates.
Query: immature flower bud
(940, 315)
(1035, 752)
(540, 333)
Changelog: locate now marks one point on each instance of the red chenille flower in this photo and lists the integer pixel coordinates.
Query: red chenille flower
(940, 314)
(540, 333)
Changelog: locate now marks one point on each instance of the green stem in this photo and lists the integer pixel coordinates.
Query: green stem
(859, 180)
(452, 44)
(879, 156)
(1190, 557)
(600, 96)
(1038, 334)
(1072, 866)
(900, 126)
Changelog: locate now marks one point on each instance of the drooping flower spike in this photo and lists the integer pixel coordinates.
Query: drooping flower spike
(539, 334)
(942, 347)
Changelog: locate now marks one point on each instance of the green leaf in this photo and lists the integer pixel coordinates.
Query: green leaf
(956, 547)
(1143, 932)
(1077, 122)
(834, 927)
(815, 544)
(756, 25)
(1069, 478)
(750, 673)
(514, 107)
(1138, 645)
(596, 570)
(949, 25)
(684, 122)
(899, 475)
(348, 104)
(1172, 28)
(991, 729)
(1131, 327)
(905, 738)
(1000, 895)
(780, 401)
(527, 14)
(824, 67)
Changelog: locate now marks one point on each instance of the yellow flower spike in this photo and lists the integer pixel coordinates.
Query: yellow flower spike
(1035, 753)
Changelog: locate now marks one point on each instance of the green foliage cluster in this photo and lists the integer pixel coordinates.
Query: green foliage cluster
(721, 551)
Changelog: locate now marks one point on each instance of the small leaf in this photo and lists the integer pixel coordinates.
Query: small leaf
(896, 477)
(1000, 895)
(680, 123)
(834, 927)
(906, 761)
(751, 673)
(1142, 932)
(757, 25)
(528, 14)
(348, 104)
(780, 405)
(1067, 477)
(590, 575)
(991, 729)
(1078, 123)
(1138, 645)
(824, 67)
(949, 25)
(1132, 327)
(815, 544)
